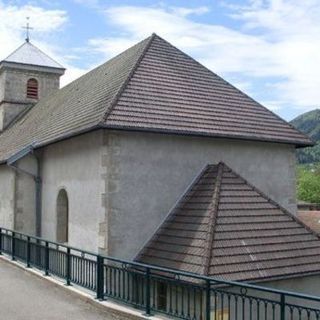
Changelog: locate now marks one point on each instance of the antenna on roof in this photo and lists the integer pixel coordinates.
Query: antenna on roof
(28, 28)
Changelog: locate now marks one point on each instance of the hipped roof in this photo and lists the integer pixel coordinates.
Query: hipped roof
(29, 54)
(225, 228)
(155, 87)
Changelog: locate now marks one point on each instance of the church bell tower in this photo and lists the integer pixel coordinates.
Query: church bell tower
(26, 76)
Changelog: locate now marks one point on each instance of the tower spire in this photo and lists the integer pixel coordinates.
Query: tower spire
(28, 28)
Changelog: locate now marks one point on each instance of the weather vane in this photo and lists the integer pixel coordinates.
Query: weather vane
(28, 28)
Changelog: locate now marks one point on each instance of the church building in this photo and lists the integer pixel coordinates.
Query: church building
(153, 157)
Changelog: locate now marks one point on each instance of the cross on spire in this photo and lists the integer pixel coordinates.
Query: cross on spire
(28, 28)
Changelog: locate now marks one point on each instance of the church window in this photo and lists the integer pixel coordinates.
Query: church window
(62, 217)
(32, 89)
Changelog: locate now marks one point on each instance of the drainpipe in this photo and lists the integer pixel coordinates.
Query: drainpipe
(11, 162)
(38, 183)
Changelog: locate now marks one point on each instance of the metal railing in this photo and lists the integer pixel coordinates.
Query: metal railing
(157, 290)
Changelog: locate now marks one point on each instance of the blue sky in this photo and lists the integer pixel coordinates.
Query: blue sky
(267, 48)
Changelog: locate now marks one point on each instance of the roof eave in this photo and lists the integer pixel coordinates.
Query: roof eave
(11, 64)
(298, 144)
(311, 144)
(162, 131)
(283, 277)
(59, 139)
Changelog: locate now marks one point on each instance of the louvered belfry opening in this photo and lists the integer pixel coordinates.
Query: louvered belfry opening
(32, 89)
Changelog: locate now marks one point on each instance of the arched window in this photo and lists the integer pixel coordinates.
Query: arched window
(32, 89)
(62, 217)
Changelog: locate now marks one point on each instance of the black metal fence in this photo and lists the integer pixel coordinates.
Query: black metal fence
(157, 290)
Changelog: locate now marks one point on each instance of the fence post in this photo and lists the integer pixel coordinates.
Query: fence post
(13, 246)
(282, 307)
(100, 285)
(0, 241)
(148, 293)
(68, 267)
(208, 300)
(28, 252)
(46, 257)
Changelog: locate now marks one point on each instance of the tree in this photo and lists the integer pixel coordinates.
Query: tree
(308, 186)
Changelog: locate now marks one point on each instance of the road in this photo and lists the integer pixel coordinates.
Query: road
(24, 296)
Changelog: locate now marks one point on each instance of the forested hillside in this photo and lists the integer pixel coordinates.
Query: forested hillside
(309, 123)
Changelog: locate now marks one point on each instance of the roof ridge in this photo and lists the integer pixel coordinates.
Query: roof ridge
(20, 116)
(4, 60)
(284, 210)
(239, 90)
(127, 79)
(34, 47)
(128, 114)
(212, 219)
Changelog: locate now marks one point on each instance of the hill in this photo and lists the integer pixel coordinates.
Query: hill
(309, 123)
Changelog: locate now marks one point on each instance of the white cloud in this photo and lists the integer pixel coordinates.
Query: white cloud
(292, 29)
(278, 39)
(213, 44)
(111, 46)
(13, 18)
(45, 22)
(189, 11)
(72, 73)
(277, 42)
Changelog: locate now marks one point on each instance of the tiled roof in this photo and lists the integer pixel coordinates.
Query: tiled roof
(27, 53)
(76, 108)
(311, 218)
(225, 228)
(169, 91)
(152, 86)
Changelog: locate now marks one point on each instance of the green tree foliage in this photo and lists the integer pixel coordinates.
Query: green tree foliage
(309, 155)
(309, 123)
(308, 183)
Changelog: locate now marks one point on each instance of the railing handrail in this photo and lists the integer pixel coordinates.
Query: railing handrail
(172, 271)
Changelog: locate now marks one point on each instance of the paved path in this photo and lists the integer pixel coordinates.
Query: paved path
(24, 296)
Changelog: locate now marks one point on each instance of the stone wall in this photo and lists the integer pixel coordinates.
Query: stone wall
(121, 185)
(309, 285)
(25, 195)
(75, 165)
(7, 187)
(2, 85)
(147, 173)
(17, 197)
(14, 84)
(13, 89)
